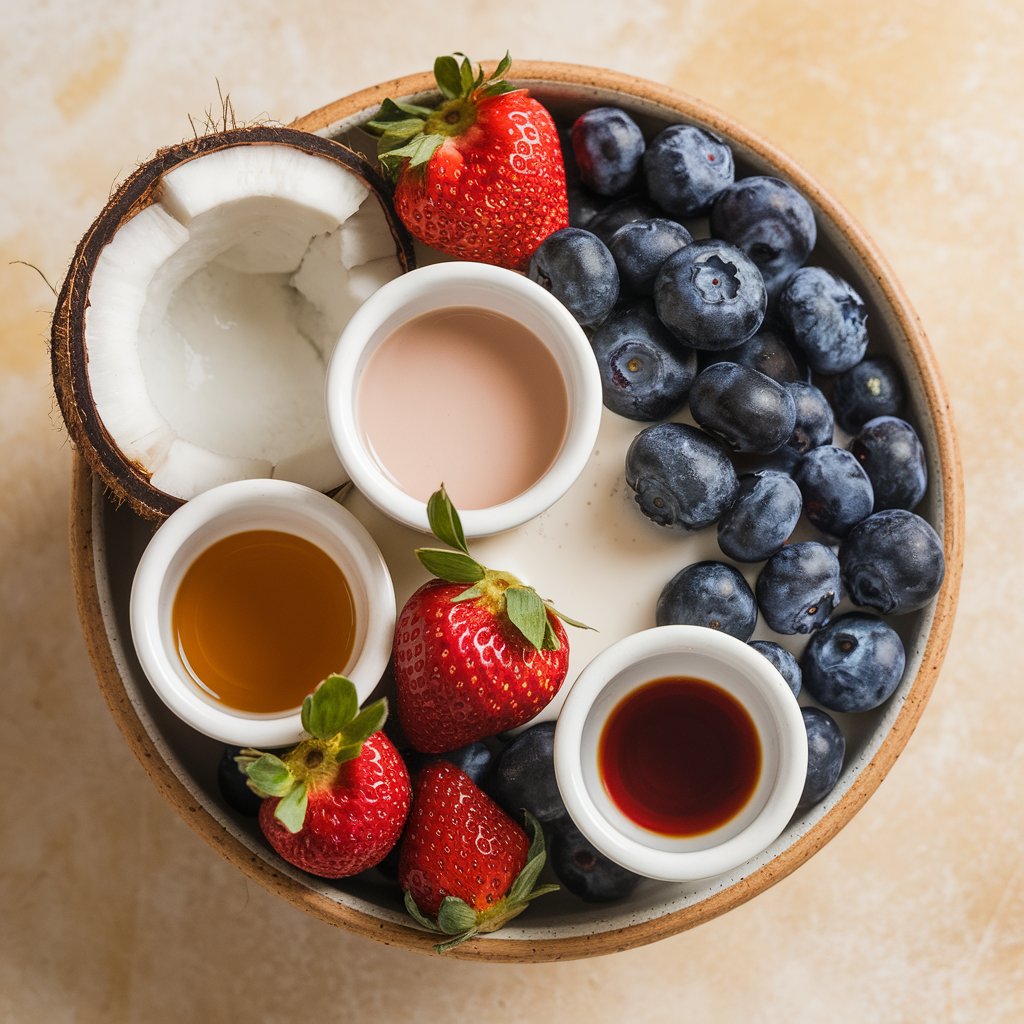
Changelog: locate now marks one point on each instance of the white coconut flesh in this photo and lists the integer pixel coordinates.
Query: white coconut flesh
(213, 312)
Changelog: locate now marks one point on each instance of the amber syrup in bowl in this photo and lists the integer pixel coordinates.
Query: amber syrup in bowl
(679, 756)
(260, 618)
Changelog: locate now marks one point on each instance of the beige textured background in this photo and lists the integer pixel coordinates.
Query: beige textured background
(113, 910)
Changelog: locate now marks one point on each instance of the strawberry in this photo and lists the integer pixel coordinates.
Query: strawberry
(334, 805)
(466, 867)
(471, 662)
(481, 177)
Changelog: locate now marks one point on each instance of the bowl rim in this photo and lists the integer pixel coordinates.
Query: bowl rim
(497, 949)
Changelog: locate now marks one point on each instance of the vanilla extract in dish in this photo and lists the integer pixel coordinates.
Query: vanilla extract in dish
(680, 756)
(466, 396)
(260, 618)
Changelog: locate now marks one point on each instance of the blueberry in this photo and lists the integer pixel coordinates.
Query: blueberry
(584, 206)
(766, 352)
(641, 247)
(770, 221)
(524, 775)
(742, 407)
(827, 318)
(474, 759)
(854, 663)
(874, 387)
(837, 492)
(711, 594)
(815, 423)
(232, 784)
(892, 562)
(893, 458)
(710, 296)
(623, 211)
(645, 373)
(798, 588)
(682, 478)
(785, 663)
(584, 871)
(577, 268)
(608, 147)
(826, 749)
(761, 519)
(686, 167)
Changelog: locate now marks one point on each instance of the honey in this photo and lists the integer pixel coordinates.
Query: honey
(680, 756)
(260, 618)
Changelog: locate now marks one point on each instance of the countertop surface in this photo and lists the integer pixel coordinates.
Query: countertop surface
(114, 910)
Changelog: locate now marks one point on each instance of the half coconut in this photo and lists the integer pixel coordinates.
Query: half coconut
(192, 333)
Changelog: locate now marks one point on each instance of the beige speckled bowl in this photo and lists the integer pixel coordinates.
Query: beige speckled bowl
(596, 515)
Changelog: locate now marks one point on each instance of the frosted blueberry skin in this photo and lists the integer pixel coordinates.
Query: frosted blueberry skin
(608, 220)
(524, 776)
(826, 751)
(645, 373)
(475, 759)
(815, 423)
(742, 407)
(584, 206)
(682, 478)
(785, 663)
(762, 518)
(685, 168)
(710, 296)
(771, 222)
(641, 247)
(608, 147)
(766, 352)
(232, 784)
(874, 387)
(577, 268)
(854, 663)
(711, 594)
(892, 562)
(583, 870)
(892, 455)
(798, 588)
(836, 491)
(827, 317)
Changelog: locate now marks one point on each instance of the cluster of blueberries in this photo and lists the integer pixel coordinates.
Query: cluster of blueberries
(518, 775)
(767, 355)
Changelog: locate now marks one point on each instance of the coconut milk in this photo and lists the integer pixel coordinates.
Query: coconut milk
(465, 397)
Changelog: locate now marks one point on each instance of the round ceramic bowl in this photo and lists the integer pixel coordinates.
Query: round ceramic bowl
(593, 554)
(221, 512)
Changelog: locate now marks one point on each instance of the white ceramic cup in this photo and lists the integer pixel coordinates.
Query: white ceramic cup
(233, 508)
(441, 286)
(702, 653)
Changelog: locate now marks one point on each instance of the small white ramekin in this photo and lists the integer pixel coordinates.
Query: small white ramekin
(233, 508)
(478, 285)
(702, 653)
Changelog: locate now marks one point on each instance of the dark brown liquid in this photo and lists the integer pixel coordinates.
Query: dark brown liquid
(680, 756)
(260, 618)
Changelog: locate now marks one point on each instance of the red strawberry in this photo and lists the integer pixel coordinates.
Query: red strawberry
(471, 662)
(465, 865)
(336, 804)
(481, 177)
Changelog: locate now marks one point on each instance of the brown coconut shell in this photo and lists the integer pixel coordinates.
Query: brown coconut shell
(128, 480)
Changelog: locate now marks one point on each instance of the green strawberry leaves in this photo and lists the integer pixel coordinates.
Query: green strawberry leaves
(337, 729)
(525, 609)
(410, 134)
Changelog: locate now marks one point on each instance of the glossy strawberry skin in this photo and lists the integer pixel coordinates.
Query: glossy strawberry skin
(462, 674)
(458, 842)
(494, 193)
(353, 824)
